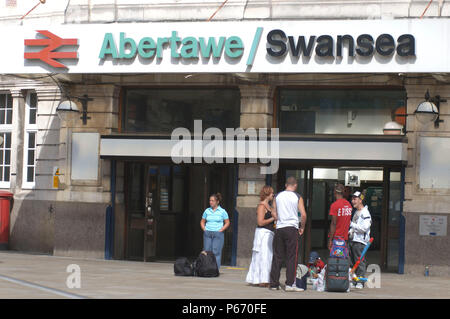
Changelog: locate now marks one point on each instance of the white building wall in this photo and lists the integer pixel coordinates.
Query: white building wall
(99, 11)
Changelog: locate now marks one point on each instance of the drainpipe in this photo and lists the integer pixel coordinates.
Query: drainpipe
(235, 220)
(401, 237)
(110, 216)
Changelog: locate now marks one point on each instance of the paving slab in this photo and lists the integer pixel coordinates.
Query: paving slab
(24, 276)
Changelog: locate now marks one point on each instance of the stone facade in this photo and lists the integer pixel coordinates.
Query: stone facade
(70, 220)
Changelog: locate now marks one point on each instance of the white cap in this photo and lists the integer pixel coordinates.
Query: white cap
(358, 194)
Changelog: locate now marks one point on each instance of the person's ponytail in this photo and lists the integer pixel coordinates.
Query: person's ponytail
(218, 197)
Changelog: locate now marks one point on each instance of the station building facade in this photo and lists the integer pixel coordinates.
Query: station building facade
(337, 96)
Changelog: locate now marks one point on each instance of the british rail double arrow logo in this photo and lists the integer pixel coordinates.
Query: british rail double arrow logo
(47, 54)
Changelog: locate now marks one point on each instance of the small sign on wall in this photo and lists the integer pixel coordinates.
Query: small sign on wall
(251, 188)
(56, 174)
(352, 178)
(433, 225)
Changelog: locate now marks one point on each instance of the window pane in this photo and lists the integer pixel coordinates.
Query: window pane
(338, 111)
(32, 119)
(30, 174)
(6, 174)
(9, 101)
(30, 157)
(2, 101)
(1, 173)
(8, 116)
(1, 157)
(7, 157)
(7, 140)
(163, 110)
(33, 100)
(2, 117)
(31, 140)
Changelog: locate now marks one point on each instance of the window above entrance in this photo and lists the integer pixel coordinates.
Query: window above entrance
(340, 111)
(162, 110)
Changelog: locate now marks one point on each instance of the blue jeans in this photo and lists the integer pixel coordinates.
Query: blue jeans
(213, 241)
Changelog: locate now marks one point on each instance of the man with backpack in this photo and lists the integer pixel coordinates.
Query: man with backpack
(341, 215)
(287, 204)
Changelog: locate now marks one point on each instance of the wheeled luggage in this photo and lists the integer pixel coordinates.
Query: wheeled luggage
(336, 276)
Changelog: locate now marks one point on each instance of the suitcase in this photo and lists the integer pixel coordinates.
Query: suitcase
(206, 265)
(336, 276)
(183, 267)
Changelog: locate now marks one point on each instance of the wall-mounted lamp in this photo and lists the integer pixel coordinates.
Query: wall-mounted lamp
(392, 128)
(428, 110)
(67, 108)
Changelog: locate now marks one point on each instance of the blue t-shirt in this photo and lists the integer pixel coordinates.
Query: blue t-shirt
(214, 219)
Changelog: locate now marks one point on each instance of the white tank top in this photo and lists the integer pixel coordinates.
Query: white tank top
(287, 209)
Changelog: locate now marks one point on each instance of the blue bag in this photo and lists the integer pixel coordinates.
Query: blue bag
(339, 248)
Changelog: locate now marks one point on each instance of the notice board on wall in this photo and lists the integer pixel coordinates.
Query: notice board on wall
(434, 169)
(85, 155)
(433, 225)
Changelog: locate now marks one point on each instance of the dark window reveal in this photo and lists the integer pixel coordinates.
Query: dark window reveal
(163, 110)
(359, 112)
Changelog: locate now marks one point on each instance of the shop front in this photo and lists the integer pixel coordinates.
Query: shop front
(164, 198)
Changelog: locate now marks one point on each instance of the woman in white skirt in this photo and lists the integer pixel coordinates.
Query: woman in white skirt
(259, 271)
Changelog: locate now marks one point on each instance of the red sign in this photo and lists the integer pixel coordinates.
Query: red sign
(52, 43)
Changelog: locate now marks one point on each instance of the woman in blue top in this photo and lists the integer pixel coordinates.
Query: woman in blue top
(214, 222)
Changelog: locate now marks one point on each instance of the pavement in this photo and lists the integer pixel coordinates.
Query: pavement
(31, 276)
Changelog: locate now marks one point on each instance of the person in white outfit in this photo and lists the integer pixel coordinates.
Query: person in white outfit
(359, 234)
(259, 271)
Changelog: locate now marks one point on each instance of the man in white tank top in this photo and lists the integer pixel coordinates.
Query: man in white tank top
(287, 204)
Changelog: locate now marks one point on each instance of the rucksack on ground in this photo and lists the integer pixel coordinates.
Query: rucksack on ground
(336, 275)
(206, 265)
(183, 267)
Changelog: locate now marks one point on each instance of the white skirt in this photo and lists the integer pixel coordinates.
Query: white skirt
(259, 271)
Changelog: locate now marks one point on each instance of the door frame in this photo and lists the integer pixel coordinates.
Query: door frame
(228, 172)
(305, 240)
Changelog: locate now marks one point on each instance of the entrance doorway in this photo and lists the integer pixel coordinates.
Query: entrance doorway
(164, 204)
(382, 188)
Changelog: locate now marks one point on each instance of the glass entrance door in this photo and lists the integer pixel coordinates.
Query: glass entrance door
(382, 189)
(164, 205)
(155, 201)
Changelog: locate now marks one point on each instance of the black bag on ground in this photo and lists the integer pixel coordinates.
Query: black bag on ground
(336, 275)
(183, 267)
(206, 265)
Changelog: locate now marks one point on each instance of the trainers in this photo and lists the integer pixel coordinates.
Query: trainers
(293, 288)
(352, 285)
(359, 286)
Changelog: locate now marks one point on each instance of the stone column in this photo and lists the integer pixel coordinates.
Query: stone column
(256, 112)
(17, 138)
(47, 140)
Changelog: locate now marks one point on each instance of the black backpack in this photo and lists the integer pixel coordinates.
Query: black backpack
(183, 267)
(336, 275)
(206, 265)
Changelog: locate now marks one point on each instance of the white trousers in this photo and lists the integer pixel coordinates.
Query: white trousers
(259, 271)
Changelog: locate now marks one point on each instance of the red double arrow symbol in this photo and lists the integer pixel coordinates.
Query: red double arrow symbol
(51, 43)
